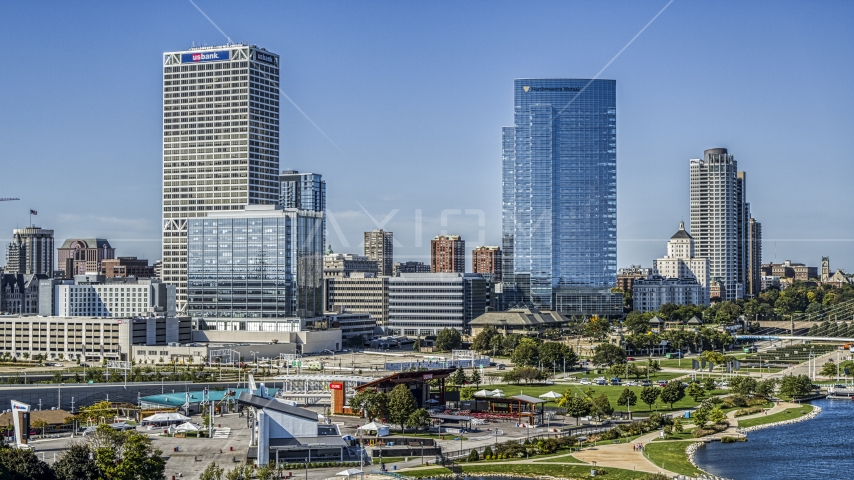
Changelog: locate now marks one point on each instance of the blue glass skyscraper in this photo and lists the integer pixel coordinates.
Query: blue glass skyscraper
(559, 199)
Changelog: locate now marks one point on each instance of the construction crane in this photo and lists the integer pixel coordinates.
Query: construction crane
(8, 199)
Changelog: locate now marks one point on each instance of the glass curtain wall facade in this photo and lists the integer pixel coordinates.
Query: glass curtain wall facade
(559, 188)
(256, 266)
(220, 141)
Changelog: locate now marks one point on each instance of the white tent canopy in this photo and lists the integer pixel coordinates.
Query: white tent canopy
(382, 430)
(551, 395)
(482, 393)
(187, 427)
(348, 472)
(498, 391)
(166, 418)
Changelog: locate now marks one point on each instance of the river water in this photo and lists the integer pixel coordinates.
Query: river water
(821, 448)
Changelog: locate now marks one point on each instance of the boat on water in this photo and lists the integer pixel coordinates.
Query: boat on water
(841, 392)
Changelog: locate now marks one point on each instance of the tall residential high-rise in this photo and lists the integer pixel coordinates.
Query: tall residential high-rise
(448, 254)
(31, 252)
(559, 201)
(220, 141)
(379, 247)
(304, 191)
(486, 260)
(715, 211)
(263, 262)
(721, 222)
(754, 243)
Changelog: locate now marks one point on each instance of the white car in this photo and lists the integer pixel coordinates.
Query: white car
(632, 384)
(585, 381)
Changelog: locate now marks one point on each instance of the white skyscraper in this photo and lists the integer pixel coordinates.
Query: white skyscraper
(680, 262)
(717, 207)
(220, 141)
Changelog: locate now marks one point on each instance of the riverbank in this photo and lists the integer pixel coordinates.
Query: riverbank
(783, 418)
(773, 453)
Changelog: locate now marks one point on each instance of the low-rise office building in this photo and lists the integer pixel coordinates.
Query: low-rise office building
(94, 295)
(359, 293)
(351, 324)
(787, 269)
(88, 338)
(650, 294)
(127, 267)
(524, 321)
(421, 304)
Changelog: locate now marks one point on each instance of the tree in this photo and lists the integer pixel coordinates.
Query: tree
(637, 322)
(212, 472)
(473, 456)
(418, 419)
(743, 385)
(525, 354)
(601, 406)
(467, 393)
(795, 386)
(483, 342)
(267, 472)
(608, 354)
(475, 378)
(709, 384)
(672, 392)
(649, 395)
(554, 354)
(829, 369)
(575, 407)
(75, 464)
(716, 415)
(126, 455)
(459, 378)
(677, 426)
(627, 398)
(416, 346)
(448, 339)
(23, 465)
(401, 404)
(765, 388)
(695, 391)
(371, 403)
(40, 424)
(239, 472)
(701, 416)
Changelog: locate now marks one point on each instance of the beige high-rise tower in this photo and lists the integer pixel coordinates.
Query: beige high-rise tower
(220, 141)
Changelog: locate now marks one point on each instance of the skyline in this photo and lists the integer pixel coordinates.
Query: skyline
(106, 122)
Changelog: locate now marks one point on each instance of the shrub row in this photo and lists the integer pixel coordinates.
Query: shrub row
(295, 466)
(747, 411)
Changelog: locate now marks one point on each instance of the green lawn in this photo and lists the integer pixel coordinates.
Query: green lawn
(613, 394)
(427, 472)
(786, 414)
(554, 470)
(561, 459)
(671, 456)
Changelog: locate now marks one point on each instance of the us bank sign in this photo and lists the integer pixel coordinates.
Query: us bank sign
(197, 57)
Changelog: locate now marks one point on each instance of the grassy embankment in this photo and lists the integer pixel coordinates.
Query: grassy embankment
(787, 414)
(671, 456)
(561, 471)
(613, 394)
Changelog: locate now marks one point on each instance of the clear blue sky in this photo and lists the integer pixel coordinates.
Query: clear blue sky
(415, 95)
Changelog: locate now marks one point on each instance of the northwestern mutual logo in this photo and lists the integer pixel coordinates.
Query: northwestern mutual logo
(196, 57)
(551, 89)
